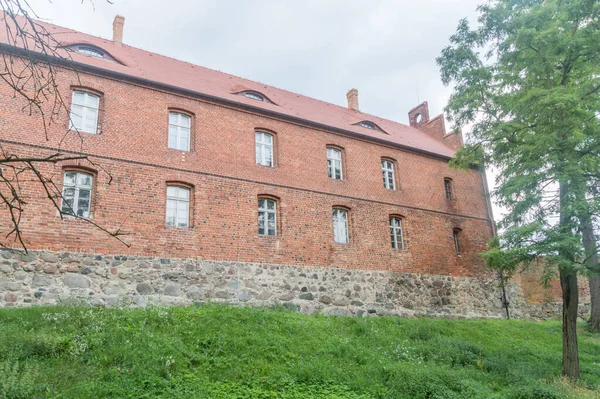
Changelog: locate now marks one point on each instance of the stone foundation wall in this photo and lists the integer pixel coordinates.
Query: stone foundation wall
(48, 278)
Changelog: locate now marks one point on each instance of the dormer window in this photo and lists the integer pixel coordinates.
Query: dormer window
(254, 95)
(369, 125)
(91, 51)
(87, 50)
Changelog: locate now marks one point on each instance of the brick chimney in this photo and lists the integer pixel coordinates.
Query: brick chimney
(352, 97)
(118, 29)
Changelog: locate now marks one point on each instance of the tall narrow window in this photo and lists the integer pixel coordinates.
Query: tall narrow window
(178, 206)
(264, 149)
(340, 226)
(387, 169)
(84, 112)
(396, 233)
(448, 188)
(77, 194)
(334, 164)
(179, 131)
(456, 236)
(267, 217)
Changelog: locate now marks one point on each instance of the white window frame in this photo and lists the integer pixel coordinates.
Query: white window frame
(334, 164)
(267, 217)
(178, 128)
(340, 226)
(79, 188)
(178, 205)
(265, 155)
(81, 111)
(389, 177)
(396, 232)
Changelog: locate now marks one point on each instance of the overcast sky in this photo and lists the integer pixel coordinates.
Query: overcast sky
(384, 48)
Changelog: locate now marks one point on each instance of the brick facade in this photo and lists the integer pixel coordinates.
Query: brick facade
(131, 151)
(132, 165)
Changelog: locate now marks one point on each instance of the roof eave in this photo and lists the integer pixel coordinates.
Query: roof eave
(220, 100)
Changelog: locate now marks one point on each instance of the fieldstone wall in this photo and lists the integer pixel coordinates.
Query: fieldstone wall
(48, 278)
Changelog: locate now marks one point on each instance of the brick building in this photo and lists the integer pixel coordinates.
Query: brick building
(200, 167)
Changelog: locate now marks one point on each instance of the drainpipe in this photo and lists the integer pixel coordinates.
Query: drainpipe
(488, 203)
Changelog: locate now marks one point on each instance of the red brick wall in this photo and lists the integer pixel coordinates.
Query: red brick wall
(132, 148)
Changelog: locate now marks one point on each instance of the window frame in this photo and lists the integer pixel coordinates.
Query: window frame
(77, 187)
(179, 186)
(84, 107)
(394, 232)
(264, 133)
(456, 233)
(449, 188)
(180, 113)
(385, 171)
(266, 211)
(346, 212)
(331, 168)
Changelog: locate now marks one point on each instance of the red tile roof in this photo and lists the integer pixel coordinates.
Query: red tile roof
(165, 70)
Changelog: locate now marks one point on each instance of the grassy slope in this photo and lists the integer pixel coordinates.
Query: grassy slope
(225, 352)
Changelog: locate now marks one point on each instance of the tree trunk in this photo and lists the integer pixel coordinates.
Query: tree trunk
(591, 254)
(570, 293)
(594, 281)
(570, 296)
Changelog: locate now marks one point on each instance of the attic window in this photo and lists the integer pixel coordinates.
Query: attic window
(91, 51)
(253, 95)
(88, 50)
(369, 125)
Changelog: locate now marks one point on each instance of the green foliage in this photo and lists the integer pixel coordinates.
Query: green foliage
(225, 352)
(527, 84)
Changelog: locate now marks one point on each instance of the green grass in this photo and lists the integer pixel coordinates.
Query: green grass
(228, 352)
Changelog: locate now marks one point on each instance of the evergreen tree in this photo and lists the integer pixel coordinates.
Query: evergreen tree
(527, 84)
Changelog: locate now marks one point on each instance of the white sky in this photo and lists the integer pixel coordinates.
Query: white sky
(384, 48)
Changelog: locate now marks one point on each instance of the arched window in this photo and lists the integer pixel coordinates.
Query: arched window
(254, 96)
(179, 131)
(334, 164)
(91, 51)
(178, 206)
(340, 225)
(387, 170)
(84, 112)
(267, 217)
(77, 194)
(396, 232)
(264, 149)
(368, 125)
